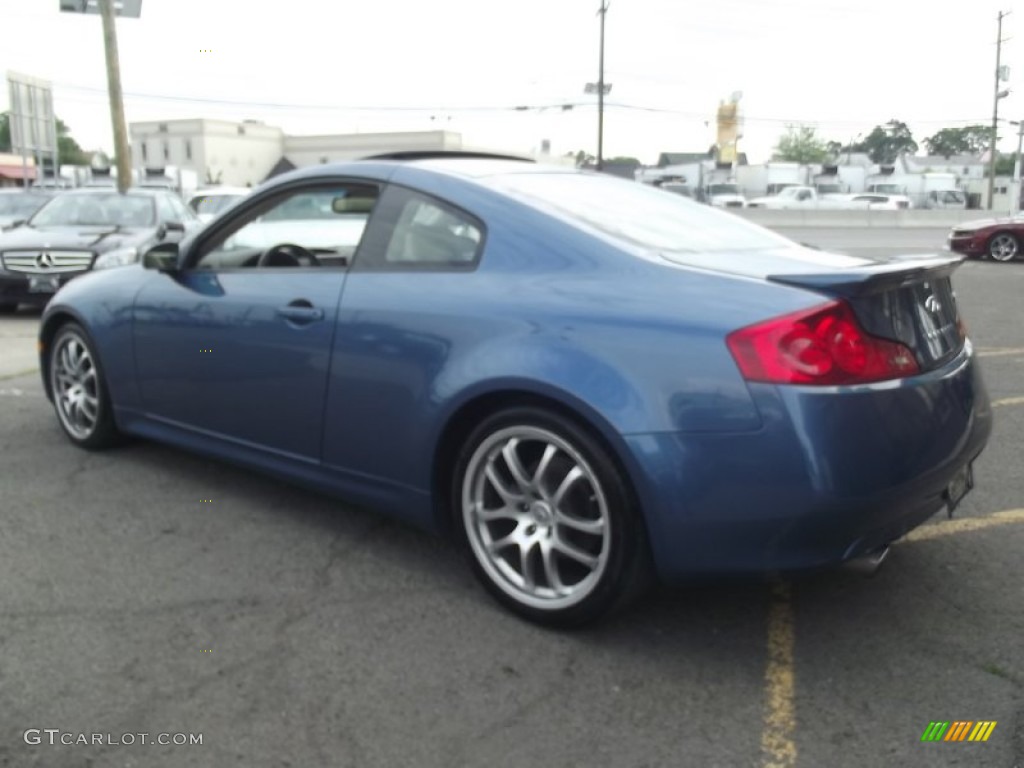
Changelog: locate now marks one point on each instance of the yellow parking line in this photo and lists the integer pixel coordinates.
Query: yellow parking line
(965, 524)
(1000, 351)
(777, 738)
(1008, 401)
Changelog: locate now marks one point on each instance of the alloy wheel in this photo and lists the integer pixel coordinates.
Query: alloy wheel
(1003, 247)
(536, 517)
(75, 383)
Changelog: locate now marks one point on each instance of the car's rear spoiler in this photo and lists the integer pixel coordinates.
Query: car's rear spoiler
(888, 275)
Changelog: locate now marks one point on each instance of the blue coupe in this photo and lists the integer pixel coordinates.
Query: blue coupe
(588, 382)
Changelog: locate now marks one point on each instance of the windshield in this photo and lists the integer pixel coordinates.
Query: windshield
(723, 189)
(305, 207)
(105, 210)
(639, 214)
(20, 204)
(213, 203)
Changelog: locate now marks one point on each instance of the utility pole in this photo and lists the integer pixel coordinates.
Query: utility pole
(600, 92)
(124, 174)
(995, 109)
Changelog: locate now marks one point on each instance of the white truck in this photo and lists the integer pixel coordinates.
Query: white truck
(800, 198)
(724, 194)
(925, 190)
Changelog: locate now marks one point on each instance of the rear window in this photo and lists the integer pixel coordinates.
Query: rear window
(637, 213)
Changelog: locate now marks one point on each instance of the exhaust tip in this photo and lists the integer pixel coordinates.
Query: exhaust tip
(867, 565)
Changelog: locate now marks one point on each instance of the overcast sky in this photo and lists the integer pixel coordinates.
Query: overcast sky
(338, 66)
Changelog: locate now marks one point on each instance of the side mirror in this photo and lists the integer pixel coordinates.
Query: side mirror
(15, 224)
(163, 257)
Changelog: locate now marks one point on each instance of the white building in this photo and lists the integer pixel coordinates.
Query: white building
(243, 154)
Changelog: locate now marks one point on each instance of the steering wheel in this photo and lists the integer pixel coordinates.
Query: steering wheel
(288, 255)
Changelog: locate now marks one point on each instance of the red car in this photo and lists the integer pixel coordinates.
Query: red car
(999, 239)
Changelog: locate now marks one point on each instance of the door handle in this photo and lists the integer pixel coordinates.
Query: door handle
(301, 311)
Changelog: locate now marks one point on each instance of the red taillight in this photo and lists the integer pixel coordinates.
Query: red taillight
(824, 345)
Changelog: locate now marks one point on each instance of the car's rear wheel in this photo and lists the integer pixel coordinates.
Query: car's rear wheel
(548, 520)
(79, 390)
(1003, 246)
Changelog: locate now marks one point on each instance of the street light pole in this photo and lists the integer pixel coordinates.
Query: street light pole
(995, 110)
(1015, 195)
(124, 175)
(600, 92)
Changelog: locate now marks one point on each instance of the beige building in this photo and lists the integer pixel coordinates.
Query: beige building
(246, 153)
(14, 171)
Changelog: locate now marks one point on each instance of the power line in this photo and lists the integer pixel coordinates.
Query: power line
(539, 107)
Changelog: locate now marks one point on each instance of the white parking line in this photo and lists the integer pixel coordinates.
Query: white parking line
(12, 392)
(1000, 351)
(1008, 401)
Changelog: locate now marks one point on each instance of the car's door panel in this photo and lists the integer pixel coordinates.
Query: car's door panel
(225, 353)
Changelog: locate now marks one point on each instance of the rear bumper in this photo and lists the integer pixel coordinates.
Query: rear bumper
(832, 474)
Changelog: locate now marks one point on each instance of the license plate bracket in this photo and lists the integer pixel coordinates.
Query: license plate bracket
(959, 486)
(43, 284)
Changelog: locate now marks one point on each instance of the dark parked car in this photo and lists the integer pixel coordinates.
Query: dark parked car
(586, 381)
(999, 239)
(17, 205)
(82, 230)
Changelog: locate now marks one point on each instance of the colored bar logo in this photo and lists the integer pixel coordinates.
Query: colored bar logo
(958, 730)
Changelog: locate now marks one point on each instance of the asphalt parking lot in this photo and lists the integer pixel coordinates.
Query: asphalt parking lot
(149, 591)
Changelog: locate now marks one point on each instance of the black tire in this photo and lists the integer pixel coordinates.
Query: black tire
(1003, 247)
(70, 390)
(598, 491)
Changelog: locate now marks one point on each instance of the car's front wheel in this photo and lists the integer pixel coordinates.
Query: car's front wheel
(79, 390)
(1003, 247)
(548, 520)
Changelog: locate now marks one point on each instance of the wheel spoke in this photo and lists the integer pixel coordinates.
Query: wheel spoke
(499, 544)
(594, 527)
(65, 360)
(508, 496)
(515, 466)
(90, 407)
(543, 465)
(577, 554)
(526, 566)
(551, 568)
(76, 357)
(574, 474)
(508, 512)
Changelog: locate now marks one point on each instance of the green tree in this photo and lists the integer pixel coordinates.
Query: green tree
(969, 140)
(1004, 165)
(800, 144)
(887, 142)
(68, 150)
(584, 158)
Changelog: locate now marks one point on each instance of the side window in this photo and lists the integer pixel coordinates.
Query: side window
(165, 210)
(313, 226)
(181, 211)
(416, 232)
